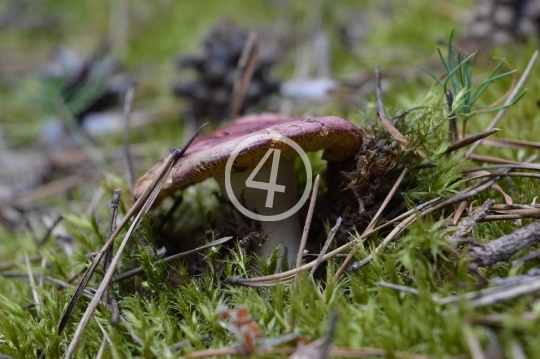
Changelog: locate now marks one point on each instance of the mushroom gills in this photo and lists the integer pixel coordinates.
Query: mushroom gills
(284, 232)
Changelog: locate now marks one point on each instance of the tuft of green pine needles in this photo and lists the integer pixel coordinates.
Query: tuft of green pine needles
(459, 81)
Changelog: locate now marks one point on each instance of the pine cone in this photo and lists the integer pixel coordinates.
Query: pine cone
(87, 85)
(498, 22)
(209, 95)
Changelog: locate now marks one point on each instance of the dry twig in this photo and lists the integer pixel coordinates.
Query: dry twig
(508, 101)
(140, 270)
(341, 352)
(50, 230)
(320, 348)
(290, 274)
(373, 222)
(487, 254)
(453, 135)
(378, 91)
(329, 239)
(307, 224)
(466, 225)
(503, 142)
(475, 347)
(246, 66)
(457, 144)
(128, 104)
(464, 195)
(140, 207)
(35, 294)
(34, 258)
(111, 227)
(499, 320)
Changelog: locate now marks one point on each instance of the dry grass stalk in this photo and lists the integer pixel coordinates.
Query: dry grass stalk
(509, 201)
(140, 207)
(111, 227)
(505, 291)
(453, 135)
(131, 332)
(373, 222)
(35, 294)
(106, 339)
(62, 185)
(290, 274)
(332, 351)
(307, 224)
(461, 208)
(497, 160)
(49, 231)
(466, 225)
(143, 209)
(484, 174)
(329, 239)
(502, 142)
(524, 212)
(128, 160)
(318, 349)
(509, 100)
(499, 320)
(464, 195)
(474, 189)
(60, 283)
(34, 258)
(505, 217)
(101, 349)
(529, 256)
(475, 348)
(389, 238)
(396, 135)
(246, 67)
(140, 270)
(378, 91)
(517, 350)
(470, 139)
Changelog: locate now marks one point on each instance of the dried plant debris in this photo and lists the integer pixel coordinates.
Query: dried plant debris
(87, 85)
(466, 225)
(210, 92)
(22, 15)
(318, 349)
(357, 186)
(499, 22)
(246, 331)
(502, 249)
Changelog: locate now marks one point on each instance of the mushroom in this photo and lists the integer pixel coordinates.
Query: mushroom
(244, 147)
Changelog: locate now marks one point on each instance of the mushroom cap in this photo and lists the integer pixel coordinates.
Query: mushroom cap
(207, 157)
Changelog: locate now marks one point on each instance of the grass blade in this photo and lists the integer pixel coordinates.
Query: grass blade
(134, 209)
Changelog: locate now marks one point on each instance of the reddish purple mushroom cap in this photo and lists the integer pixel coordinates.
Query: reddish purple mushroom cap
(207, 157)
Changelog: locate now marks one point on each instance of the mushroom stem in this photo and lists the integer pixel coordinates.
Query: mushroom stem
(284, 232)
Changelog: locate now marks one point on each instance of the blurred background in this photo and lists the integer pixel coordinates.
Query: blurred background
(65, 69)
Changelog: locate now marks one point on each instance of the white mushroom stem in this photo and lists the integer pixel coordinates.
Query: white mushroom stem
(285, 232)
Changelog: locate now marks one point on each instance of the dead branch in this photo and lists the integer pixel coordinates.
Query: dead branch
(501, 249)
